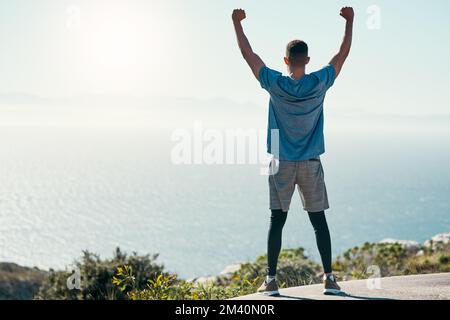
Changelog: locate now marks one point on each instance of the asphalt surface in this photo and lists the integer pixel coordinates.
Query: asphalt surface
(416, 287)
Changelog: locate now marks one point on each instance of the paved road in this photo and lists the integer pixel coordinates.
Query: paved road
(418, 287)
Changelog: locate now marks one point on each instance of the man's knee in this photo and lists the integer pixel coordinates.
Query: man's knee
(277, 212)
(278, 218)
(318, 220)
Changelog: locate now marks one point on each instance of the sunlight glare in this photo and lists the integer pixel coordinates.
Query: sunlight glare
(120, 45)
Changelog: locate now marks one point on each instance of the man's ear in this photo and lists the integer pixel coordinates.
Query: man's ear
(286, 60)
(307, 60)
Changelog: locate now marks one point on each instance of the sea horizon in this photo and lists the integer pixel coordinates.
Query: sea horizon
(70, 186)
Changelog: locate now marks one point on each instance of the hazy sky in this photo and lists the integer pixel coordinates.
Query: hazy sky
(187, 48)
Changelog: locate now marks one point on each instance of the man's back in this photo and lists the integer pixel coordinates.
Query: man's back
(296, 111)
(296, 106)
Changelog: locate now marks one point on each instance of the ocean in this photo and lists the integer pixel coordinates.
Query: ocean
(65, 189)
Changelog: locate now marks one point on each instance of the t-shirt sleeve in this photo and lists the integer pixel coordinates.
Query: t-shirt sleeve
(326, 76)
(267, 77)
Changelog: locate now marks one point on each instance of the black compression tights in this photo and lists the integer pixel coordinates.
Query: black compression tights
(319, 223)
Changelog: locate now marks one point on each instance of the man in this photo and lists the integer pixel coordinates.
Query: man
(296, 111)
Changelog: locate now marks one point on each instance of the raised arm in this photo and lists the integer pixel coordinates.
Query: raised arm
(253, 60)
(339, 59)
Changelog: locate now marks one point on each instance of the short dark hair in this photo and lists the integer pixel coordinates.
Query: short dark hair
(296, 52)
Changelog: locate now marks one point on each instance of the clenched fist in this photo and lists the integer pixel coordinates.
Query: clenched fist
(347, 13)
(238, 15)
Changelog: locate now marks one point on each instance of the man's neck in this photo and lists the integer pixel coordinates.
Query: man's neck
(296, 73)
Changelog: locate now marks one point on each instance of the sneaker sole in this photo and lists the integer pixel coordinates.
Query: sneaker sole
(332, 291)
(269, 293)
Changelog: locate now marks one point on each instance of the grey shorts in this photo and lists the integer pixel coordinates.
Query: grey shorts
(307, 175)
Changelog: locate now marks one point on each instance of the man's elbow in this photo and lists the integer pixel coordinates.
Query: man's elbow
(246, 54)
(343, 54)
(340, 58)
(347, 51)
(346, 54)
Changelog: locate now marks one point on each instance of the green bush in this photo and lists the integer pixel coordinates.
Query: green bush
(140, 278)
(293, 269)
(168, 287)
(96, 275)
(392, 259)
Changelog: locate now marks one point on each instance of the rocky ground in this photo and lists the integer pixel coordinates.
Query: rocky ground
(17, 282)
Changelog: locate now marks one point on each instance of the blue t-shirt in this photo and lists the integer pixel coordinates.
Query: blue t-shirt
(296, 110)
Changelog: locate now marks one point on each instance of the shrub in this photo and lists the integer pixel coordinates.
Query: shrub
(140, 278)
(168, 287)
(96, 275)
(294, 269)
(392, 259)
